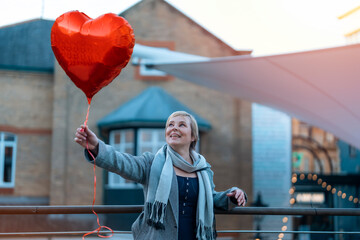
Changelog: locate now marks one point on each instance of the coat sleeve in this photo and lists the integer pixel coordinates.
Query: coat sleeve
(134, 168)
(221, 201)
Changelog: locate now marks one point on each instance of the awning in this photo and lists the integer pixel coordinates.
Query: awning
(320, 87)
(151, 108)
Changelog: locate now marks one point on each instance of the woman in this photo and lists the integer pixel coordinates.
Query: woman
(178, 182)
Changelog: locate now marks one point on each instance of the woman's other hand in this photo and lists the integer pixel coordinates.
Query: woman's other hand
(83, 135)
(239, 196)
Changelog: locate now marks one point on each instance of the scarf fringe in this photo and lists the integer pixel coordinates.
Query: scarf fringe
(205, 232)
(156, 212)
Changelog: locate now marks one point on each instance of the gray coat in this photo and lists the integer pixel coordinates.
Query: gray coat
(137, 168)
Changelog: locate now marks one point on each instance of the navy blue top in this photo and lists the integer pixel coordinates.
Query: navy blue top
(188, 197)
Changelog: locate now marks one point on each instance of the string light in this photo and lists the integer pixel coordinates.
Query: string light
(319, 181)
(302, 176)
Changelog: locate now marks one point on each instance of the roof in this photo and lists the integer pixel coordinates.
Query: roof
(151, 108)
(26, 46)
(194, 23)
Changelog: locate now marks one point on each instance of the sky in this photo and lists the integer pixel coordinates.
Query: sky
(267, 27)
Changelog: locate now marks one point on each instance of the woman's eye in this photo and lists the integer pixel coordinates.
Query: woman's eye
(182, 125)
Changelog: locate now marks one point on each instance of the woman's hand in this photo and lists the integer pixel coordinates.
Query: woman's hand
(239, 197)
(83, 135)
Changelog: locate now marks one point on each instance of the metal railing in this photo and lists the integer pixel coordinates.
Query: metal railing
(112, 209)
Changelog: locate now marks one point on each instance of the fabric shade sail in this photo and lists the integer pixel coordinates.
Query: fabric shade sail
(320, 87)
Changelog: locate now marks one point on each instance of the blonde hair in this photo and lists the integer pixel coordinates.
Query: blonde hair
(193, 125)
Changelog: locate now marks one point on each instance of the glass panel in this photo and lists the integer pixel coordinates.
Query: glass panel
(9, 137)
(124, 141)
(129, 136)
(146, 149)
(117, 137)
(117, 179)
(161, 135)
(129, 150)
(146, 136)
(8, 164)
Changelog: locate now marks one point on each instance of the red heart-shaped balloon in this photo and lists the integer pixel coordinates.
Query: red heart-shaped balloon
(92, 52)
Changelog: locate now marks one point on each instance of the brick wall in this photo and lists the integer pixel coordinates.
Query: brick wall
(26, 111)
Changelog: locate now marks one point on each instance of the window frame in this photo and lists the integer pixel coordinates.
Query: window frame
(3, 145)
(114, 181)
(155, 143)
(142, 72)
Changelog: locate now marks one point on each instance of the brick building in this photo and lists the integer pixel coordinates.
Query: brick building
(41, 108)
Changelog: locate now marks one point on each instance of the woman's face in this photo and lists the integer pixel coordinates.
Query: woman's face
(178, 132)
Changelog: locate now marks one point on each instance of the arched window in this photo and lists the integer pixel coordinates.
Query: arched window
(7, 159)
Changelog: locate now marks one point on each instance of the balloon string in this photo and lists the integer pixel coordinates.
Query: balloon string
(97, 230)
(87, 115)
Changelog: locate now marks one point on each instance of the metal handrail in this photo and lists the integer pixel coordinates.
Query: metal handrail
(108, 209)
(79, 233)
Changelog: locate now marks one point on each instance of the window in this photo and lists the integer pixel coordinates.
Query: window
(7, 159)
(352, 151)
(147, 140)
(122, 141)
(144, 72)
(150, 140)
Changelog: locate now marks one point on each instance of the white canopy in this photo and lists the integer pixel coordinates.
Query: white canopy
(320, 87)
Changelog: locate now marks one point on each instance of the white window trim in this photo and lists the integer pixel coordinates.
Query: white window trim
(114, 180)
(155, 143)
(4, 144)
(146, 71)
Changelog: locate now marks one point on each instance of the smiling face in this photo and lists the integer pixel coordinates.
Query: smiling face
(178, 132)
